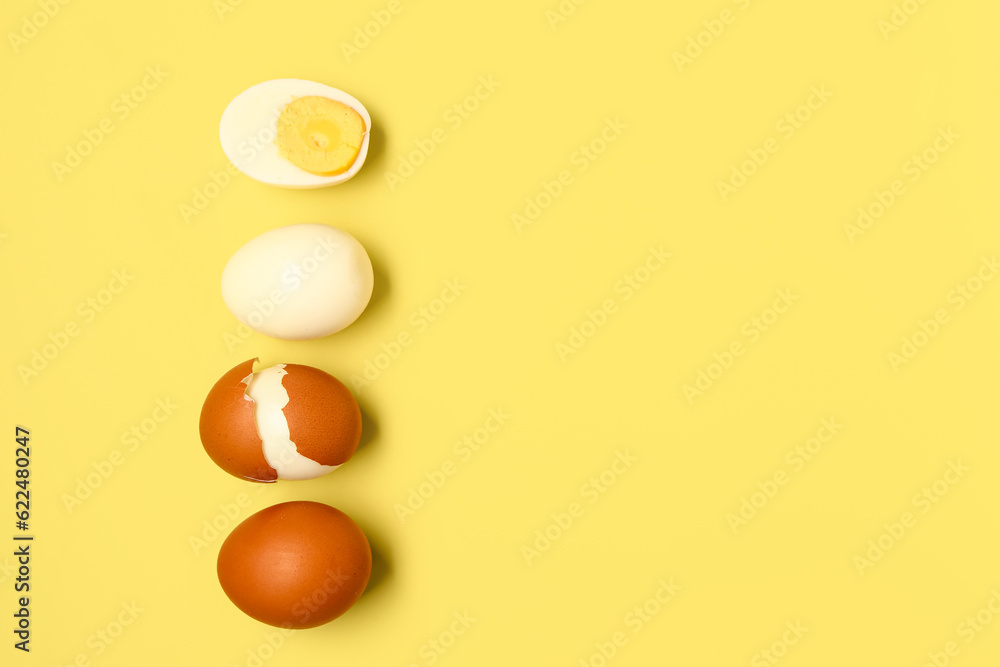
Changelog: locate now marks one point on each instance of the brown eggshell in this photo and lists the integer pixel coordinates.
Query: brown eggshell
(324, 420)
(295, 565)
(229, 429)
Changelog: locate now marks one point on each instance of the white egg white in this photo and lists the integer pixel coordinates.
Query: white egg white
(298, 282)
(249, 127)
(269, 396)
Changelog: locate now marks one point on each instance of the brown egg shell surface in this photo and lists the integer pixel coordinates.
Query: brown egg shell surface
(229, 429)
(324, 420)
(296, 565)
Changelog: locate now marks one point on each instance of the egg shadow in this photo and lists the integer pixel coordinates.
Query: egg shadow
(376, 143)
(381, 570)
(382, 285)
(376, 150)
(369, 427)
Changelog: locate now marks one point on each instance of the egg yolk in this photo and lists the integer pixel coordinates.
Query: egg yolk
(320, 135)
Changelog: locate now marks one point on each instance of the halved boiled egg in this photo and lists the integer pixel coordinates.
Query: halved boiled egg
(294, 133)
(284, 422)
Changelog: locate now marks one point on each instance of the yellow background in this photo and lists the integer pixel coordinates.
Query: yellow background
(164, 335)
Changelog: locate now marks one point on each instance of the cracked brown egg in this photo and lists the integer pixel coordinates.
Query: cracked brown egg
(295, 565)
(284, 422)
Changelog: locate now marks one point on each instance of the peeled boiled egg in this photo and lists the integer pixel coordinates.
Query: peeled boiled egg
(284, 422)
(299, 282)
(295, 565)
(294, 133)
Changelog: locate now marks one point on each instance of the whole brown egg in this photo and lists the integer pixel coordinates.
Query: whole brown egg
(295, 565)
